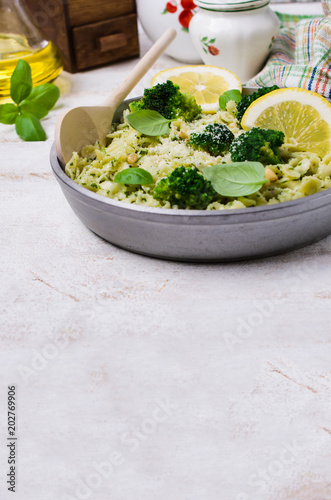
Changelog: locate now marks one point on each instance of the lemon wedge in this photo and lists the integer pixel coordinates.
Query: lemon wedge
(205, 83)
(303, 116)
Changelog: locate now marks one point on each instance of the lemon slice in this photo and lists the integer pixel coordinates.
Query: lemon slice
(205, 83)
(303, 116)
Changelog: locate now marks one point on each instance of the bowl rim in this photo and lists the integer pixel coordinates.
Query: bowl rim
(248, 214)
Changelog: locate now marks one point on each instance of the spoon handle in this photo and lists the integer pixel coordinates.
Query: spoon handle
(140, 69)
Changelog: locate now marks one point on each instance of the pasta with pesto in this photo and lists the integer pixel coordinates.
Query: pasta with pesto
(96, 166)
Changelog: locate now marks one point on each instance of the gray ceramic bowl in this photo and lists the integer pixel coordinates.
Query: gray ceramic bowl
(199, 236)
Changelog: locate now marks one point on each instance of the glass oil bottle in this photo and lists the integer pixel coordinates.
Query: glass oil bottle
(21, 39)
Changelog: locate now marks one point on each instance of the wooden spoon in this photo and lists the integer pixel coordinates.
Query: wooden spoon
(86, 124)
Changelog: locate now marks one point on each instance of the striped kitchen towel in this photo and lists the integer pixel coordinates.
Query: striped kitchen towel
(301, 54)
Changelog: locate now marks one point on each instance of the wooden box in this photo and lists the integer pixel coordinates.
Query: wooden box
(88, 33)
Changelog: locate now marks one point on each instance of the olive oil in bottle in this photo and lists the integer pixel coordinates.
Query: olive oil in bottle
(20, 39)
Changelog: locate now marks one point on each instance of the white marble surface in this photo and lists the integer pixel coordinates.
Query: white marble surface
(141, 379)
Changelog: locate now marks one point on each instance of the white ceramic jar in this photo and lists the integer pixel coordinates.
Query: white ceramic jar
(158, 15)
(234, 34)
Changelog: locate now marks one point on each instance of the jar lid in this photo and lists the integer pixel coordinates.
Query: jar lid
(231, 5)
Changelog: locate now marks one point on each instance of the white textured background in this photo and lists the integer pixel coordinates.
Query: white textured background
(141, 379)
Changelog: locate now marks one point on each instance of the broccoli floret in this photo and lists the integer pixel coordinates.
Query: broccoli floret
(258, 144)
(185, 187)
(248, 99)
(216, 139)
(166, 99)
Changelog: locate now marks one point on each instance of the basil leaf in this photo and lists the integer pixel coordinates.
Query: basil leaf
(21, 81)
(149, 122)
(8, 113)
(229, 95)
(233, 95)
(32, 107)
(134, 176)
(236, 179)
(29, 128)
(45, 95)
(222, 101)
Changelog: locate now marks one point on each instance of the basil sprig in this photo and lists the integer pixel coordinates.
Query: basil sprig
(134, 175)
(31, 104)
(149, 122)
(229, 95)
(236, 179)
